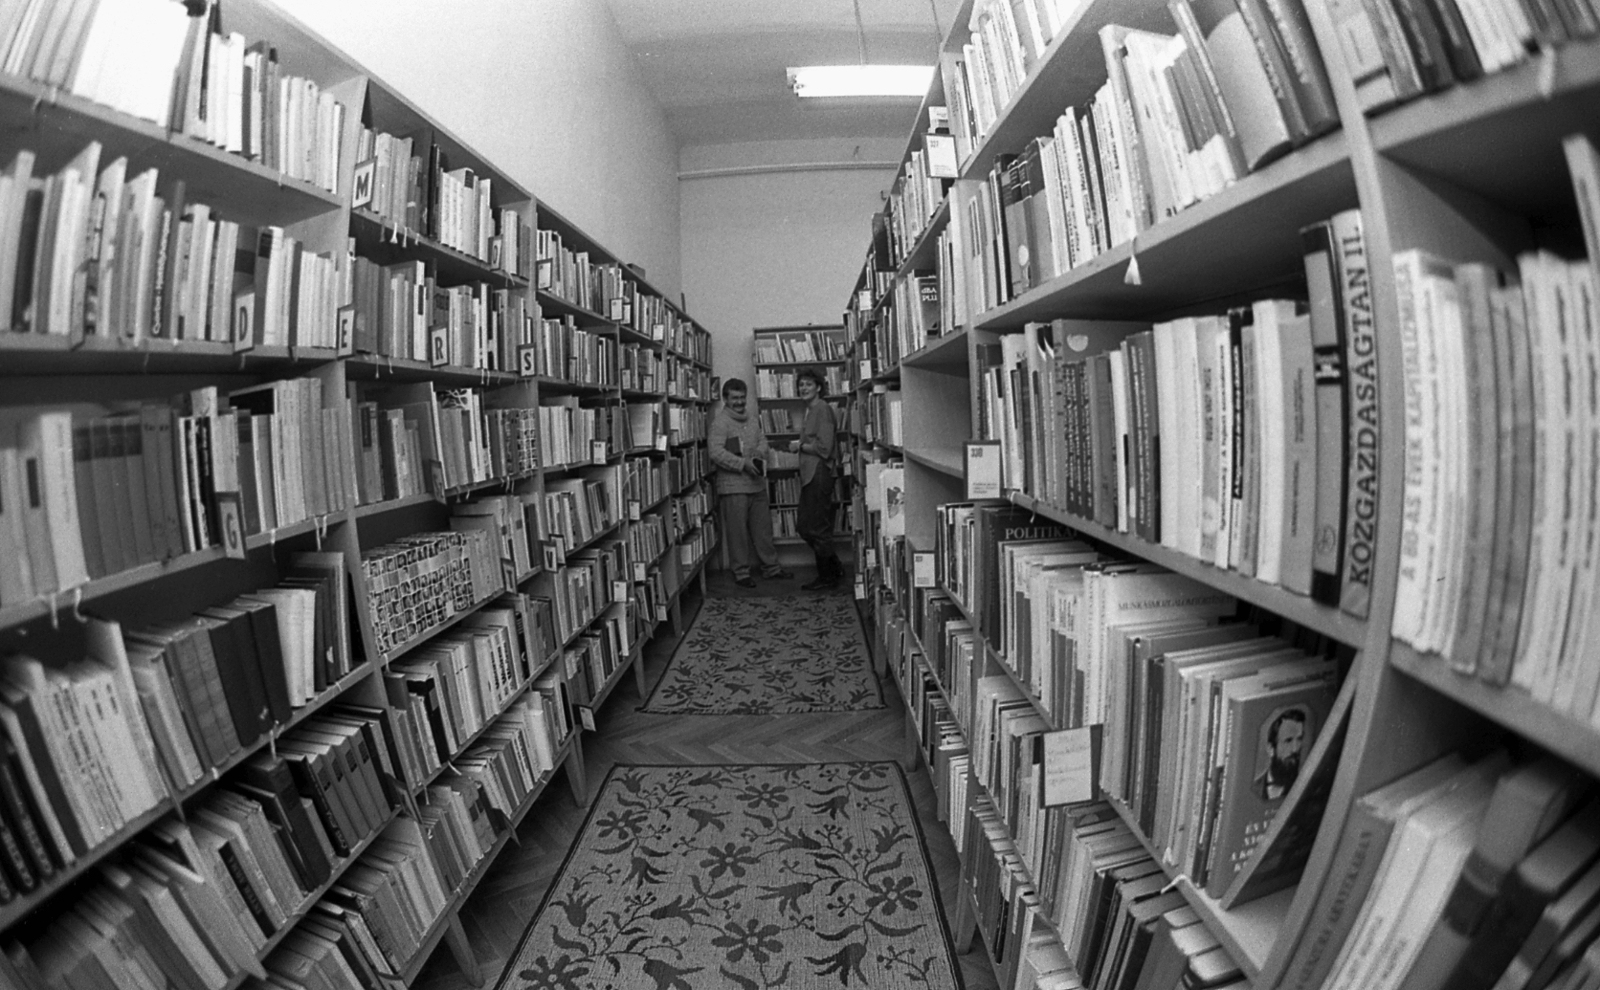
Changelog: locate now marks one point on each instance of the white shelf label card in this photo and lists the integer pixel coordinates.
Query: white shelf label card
(362, 183)
(619, 591)
(872, 557)
(1070, 759)
(619, 309)
(661, 441)
(586, 717)
(866, 369)
(528, 361)
(983, 469)
(922, 569)
(597, 451)
(439, 346)
(633, 510)
(861, 589)
(638, 571)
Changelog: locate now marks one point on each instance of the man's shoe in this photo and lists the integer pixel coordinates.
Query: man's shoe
(745, 582)
(777, 574)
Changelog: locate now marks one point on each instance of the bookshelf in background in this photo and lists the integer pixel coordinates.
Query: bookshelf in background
(779, 354)
(291, 553)
(1154, 222)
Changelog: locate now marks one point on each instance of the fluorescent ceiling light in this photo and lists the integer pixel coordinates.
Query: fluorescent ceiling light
(860, 80)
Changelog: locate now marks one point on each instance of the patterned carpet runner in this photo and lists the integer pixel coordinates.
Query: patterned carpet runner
(769, 656)
(802, 876)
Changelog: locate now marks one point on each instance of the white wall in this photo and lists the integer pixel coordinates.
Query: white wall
(544, 89)
(776, 248)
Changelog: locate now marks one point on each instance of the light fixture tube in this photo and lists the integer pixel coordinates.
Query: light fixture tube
(812, 81)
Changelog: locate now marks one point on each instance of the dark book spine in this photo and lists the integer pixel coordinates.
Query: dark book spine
(18, 805)
(241, 879)
(1327, 301)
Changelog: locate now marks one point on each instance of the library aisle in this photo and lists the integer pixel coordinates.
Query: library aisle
(507, 899)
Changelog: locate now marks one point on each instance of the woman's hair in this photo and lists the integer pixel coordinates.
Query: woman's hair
(814, 374)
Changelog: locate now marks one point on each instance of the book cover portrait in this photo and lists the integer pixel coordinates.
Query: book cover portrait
(1284, 738)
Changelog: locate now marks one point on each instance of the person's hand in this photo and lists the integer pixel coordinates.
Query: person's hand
(751, 467)
(794, 445)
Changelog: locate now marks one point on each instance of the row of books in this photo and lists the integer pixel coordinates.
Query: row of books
(688, 340)
(799, 346)
(878, 417)
(921, 187)
(1466, 872)
(424, 579)
(687, 424)
(643, 426)
(452, 206)
(782, 384)
(514, 529)
(1498, 515)
(98, 496)
(562, 349)
(575, 278)
(1236, 439)
(686, 380)
(400, 310)
(582, 588)
(574, 435)
(576, 510)
(444, 693)
(150, 264)
(1180, 117)
(647, 541)
(648, 481)
(639, 368)
(177, 67)
(781, 419)
(594, 657)
(1421, 49)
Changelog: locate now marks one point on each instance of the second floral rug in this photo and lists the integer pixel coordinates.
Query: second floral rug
(769, 656)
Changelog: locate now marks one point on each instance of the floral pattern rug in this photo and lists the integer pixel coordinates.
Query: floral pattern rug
(804, 876)
(769, 656)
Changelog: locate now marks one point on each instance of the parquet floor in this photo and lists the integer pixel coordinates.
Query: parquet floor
(500, 909)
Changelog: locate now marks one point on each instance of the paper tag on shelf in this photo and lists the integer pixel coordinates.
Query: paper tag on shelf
(861, 589)
(627, 379)
(439, 346)
(661, 613)
(586, 718)
(658, 331)
(528, 360)
(362, 181)
(1071, 766)
(619, 306)
(872, 557)
(983, 469)
(848, 471)
(346, 324)
(597, 451)
(866, 369)
(922, 569)
(633, 510)
(661, 441)
(619, 591)
(230, 522)
(638, 571)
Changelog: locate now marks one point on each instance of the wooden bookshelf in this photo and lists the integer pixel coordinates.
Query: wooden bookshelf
(104, 373)
(1473, 172)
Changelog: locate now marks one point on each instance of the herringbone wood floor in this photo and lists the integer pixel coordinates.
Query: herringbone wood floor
(500, 909)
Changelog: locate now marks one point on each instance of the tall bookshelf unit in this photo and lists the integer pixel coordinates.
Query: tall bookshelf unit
(1472, 173)
(779, 354)
(429, 401)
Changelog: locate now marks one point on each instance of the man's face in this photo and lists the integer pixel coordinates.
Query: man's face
(736, 399)
(1286, 751)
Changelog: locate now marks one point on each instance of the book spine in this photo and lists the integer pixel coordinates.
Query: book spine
(1327, 301)
(1363, 433)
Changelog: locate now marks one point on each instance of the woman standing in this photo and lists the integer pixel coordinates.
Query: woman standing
(816, 447)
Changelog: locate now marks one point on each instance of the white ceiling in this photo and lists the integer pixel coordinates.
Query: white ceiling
(717, 66)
